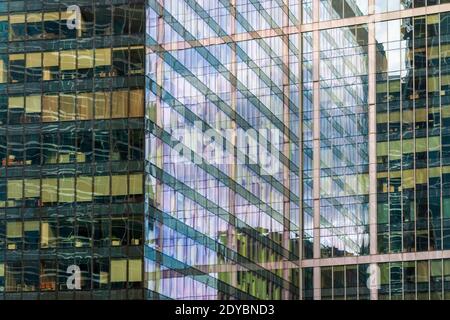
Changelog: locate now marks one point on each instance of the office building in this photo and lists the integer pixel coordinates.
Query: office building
(71, 144)
(229, 149)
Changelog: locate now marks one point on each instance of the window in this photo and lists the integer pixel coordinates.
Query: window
(66, 232)
(102, 232)
(101, 274)
(136, 144)
(101, 145)
(2, 277)
(17, 68)
(50, 25)
(17, 29)
(49, 191)
(85, 106)
(118, 232)
(84, 189)
(50, 66)
(137, 18)
(85, 60)
(103, 20)
(50, 104)
(120, 20)
(48, 275)
(134, 273)
(119, 150)
(68, 64)
(135, 230)
(67, 107)
(87, 25)
(66, 190)
(102, 105)
(3, 67)
(103, 62)
(118, 273)
(119, 104)
(30, 276)
(13, 276)
(83, 234)
(14, 235)
(33, 65)
(48, 234)
(120, 61)
(31, 234)
(136, 60)
(136, 103)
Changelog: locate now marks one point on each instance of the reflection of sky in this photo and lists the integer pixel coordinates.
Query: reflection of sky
(344, 156)
(391, 5)
(389, 35)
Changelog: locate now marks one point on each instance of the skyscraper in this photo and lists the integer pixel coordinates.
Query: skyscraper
(71, 144)
(358, 90)
(229, 149)
(374, 164)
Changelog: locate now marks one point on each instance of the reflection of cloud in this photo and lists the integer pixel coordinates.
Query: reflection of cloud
(397, 60)
(394, 62)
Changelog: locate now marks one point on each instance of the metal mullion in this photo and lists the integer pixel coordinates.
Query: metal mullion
(441, 176)
(300, 150)
(414, 139)
(345, 282)
(402, 182)
(428, 146)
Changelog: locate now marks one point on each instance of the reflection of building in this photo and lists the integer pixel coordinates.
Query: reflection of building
(225, 231)
(71, 150)
(406, 167)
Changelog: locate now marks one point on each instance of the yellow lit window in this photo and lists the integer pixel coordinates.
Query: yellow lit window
(408, 179)
(67, 189)
(119, 185)
(33, 60)
(135, 270)
(85, 106)
(119, 270)
(3, 71)
(119, 104)
(49, 190)
(14, 229)
(50, 108)
(68, 60)
(85, 59)
(102, 57)
(31, 226)
(84, 189)
(32, 188)
(67, 107)
(51, 59)
(136, 184)
(16, 102)
(101, 185)
(136, 103)
(15, 189)
(33, 104)
(102, 105)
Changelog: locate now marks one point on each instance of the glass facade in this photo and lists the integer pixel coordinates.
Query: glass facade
(231, 149)
(399, 149)
(223, 225)
(72, 149)
(344, 157)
